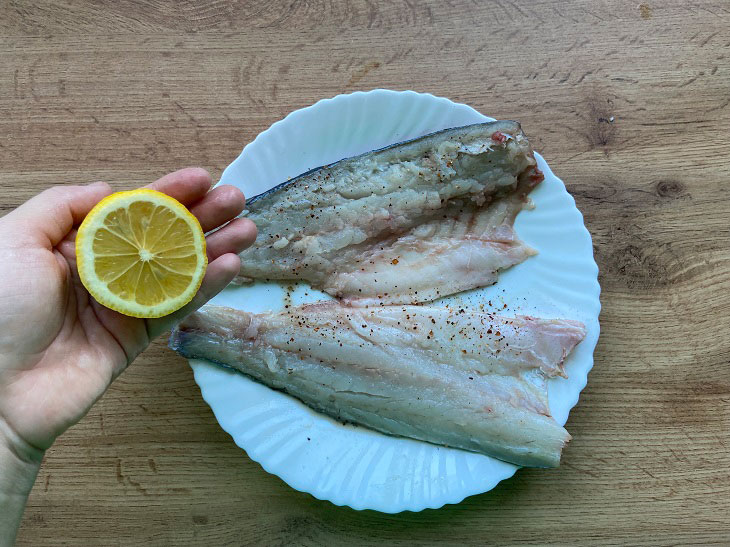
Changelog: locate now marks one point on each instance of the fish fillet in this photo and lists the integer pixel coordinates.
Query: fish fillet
(465, 379)
(405, 224)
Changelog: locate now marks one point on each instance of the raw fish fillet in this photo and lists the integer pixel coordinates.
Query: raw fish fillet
(465, 379)
(404, 224)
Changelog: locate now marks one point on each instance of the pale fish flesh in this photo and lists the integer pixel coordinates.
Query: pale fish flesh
(465, 379)
(405, 224)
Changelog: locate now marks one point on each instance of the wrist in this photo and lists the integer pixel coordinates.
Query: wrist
(19, 463)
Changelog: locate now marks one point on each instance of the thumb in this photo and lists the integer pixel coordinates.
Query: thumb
(48, 217)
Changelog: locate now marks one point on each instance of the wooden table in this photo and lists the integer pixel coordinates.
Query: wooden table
(628, 101)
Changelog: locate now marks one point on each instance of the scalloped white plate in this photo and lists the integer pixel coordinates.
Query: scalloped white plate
(354, 466)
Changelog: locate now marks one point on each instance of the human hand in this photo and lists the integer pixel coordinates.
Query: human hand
(59, 348)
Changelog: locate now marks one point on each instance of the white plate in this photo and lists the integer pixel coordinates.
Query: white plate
(354, 466)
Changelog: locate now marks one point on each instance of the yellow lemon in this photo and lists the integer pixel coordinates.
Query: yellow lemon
(141, 253)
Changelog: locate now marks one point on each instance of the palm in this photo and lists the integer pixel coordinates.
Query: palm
(59, 348)
(68, 359)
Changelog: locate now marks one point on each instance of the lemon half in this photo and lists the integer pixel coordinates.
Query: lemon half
(141, 253)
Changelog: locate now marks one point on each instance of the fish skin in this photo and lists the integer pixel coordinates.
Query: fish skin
(465, 379)
(439, 209)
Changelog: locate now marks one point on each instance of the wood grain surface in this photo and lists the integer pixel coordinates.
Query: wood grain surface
(628, 101)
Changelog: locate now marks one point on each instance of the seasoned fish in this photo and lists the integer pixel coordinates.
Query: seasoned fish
(470, 380)
(405, 224)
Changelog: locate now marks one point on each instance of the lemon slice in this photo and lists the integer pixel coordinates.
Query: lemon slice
(141, 253)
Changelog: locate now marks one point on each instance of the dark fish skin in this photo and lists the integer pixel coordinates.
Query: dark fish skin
(258, 197)
(441, 205)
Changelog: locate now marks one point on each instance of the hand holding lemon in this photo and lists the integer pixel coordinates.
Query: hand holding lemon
(79, 307)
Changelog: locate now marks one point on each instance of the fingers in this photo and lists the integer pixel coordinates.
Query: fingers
(186, 185)
(223, 248)
(234, 237)
(67, 247)
(218, 207)
(213, 209)
(47, 218)
(219, 274)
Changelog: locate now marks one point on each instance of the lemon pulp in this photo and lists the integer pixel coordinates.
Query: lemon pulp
(141, 253)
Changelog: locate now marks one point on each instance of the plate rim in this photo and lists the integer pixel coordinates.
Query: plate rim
(595, 295)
